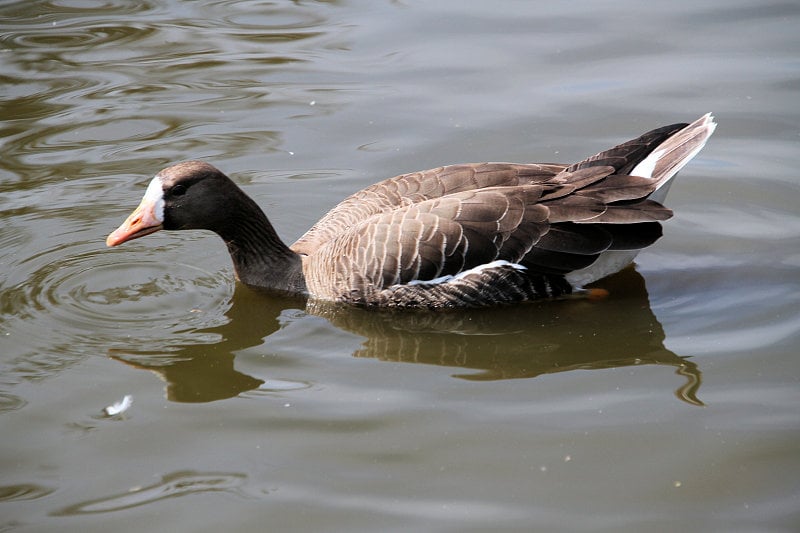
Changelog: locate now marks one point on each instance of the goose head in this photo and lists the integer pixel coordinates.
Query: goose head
(195, 195)
(188, 195)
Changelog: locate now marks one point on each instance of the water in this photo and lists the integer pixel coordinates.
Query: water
(669, 406)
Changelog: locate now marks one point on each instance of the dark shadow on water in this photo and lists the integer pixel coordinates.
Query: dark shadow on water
(503, 343)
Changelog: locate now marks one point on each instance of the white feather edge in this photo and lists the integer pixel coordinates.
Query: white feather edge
(475, 270)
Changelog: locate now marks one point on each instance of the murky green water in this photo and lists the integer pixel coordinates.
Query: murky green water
(670, 406)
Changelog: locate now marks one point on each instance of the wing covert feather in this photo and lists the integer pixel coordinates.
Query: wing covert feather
(442, 236)
(418, 187)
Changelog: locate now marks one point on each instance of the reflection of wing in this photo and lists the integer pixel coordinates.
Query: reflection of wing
(524, 341)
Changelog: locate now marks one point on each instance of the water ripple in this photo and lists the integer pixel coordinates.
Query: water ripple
(44, 13)
(171, 486)
(87, 301)
(77, 91)
(10, 402)
(269, 17)
(63, 39)
(23, 492)
(715, 310)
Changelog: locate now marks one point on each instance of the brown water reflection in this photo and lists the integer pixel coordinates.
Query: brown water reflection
(505, 343)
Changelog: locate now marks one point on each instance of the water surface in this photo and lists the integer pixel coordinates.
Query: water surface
(671, 405)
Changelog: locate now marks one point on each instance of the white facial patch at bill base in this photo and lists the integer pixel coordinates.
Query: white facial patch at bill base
(154, 195)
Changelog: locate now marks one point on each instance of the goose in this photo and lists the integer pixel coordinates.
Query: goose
(458, 236)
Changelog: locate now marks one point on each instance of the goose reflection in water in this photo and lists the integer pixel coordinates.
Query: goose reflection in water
(490, 344)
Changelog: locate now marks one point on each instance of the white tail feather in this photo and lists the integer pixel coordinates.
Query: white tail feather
(672, 155)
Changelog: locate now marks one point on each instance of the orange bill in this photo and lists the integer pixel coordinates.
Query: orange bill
(143, 221)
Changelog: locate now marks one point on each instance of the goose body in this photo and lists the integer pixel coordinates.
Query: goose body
(470, 235)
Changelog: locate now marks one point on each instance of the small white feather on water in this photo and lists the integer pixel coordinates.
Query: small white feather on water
(119, 407)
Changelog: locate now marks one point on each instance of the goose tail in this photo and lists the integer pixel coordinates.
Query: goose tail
(676, 146)
(668, 158)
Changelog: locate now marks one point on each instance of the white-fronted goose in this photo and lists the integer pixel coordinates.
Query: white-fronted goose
(470, 235)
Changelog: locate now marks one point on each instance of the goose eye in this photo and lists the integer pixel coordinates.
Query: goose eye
(178, 190)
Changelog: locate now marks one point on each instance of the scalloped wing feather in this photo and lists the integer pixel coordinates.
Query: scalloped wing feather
(417, 187)
(438, 237)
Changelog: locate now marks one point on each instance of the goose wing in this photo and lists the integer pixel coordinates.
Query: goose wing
(415, 187)
(547, 227)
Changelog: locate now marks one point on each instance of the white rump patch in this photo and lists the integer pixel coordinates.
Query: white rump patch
(154, 195)
(476, 270)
